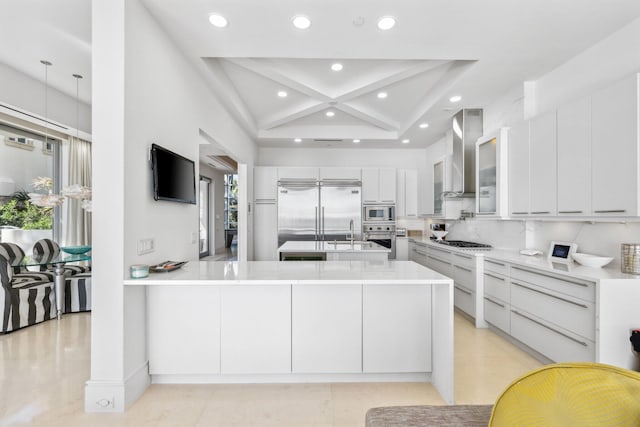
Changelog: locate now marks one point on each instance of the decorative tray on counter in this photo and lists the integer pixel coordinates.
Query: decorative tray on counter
(166, 266)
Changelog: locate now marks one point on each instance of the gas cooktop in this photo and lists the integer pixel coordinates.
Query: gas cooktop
(463, 244)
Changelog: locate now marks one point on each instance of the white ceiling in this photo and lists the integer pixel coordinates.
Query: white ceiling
(477, 49)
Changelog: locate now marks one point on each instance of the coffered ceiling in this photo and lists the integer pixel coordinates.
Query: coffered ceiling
(438, 48)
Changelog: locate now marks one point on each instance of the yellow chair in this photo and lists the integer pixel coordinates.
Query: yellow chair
(571, 394)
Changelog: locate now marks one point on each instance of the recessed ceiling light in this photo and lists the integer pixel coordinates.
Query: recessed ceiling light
(336, 66)
(424, 125)
(382, 95)
(386, 23)
(455, 98)
(218, 21)
(406, 141)
(356, 141)
(297, 140)
(282, 94)
(301, 22)
(330, 114)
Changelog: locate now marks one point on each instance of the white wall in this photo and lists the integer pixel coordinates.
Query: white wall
(145, 92)
(26, 93)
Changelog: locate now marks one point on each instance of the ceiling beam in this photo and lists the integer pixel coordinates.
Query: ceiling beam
(292, 114)
(368, 116)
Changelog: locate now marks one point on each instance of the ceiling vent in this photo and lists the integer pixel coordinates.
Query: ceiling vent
(224, 163)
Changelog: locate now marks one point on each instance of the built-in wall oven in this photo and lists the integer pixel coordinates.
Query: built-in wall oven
(382, 234)
(379, 213)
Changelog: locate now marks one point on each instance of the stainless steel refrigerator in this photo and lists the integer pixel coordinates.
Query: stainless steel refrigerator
(319, 210)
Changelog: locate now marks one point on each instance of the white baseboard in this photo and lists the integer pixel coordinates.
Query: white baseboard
(116, 396)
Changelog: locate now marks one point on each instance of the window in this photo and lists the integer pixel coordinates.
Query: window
(231, 201)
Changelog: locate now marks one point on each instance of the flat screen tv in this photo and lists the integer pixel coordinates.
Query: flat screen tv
(174, 176)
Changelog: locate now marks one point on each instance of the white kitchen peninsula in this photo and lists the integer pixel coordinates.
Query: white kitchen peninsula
(334, 251)
(307, 321)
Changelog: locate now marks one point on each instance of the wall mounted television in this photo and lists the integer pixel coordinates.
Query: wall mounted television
(174, 176)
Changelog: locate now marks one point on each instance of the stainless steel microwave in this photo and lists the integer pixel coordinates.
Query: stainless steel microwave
(375, 213)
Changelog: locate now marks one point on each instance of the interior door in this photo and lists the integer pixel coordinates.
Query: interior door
(205, 211)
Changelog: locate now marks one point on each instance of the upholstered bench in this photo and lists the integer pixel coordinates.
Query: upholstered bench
(429, 415)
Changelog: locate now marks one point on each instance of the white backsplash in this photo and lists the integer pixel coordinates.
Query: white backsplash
(602, 238)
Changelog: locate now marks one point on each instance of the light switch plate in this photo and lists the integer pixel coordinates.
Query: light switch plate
(194, 237)
(146, 246)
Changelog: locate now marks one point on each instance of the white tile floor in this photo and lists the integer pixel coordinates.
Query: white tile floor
(43, 369)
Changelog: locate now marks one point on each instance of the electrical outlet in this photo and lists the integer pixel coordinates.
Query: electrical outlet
(106, 402)
(194, 237)
(146, 246)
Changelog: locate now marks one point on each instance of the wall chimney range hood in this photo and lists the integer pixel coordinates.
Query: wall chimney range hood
(467, 128)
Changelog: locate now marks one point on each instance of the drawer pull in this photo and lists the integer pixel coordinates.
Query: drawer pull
(437, 259)
(612, 211)
(464, 291)
(550, 328)
(550, 295)
(420, 252)
(570, 212)
(440, 250)
(464, 269)
(495, 277)
(519, 213)
(424, 245)
(464, 256)
(494, 302)
(551, 277)
(494, 262)
(541, 213)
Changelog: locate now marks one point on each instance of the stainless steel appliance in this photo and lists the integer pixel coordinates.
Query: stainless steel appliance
(319, 210)
(379, 213)
(382, 234)
(467, 128)
(462, 244)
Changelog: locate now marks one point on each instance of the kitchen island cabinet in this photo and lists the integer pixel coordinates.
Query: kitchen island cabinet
(333, 251)
(340, 321)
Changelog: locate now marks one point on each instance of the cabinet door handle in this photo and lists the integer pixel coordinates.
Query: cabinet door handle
(519, 213)
(551, 277)
(494, 262)
(541, 213)
(494, 302)
(464, 291)
(464, 256)
(389, 201)
(421, 253)
(495, 277)
(438, 259)
(612, 211)
(550, 328)
(440, 250)
(550, 295)
(570, 212)
(464, 269)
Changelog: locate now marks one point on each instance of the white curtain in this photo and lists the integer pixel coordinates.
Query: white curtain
(78, 220)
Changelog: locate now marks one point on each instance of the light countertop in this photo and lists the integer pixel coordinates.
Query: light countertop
(328, 247)
(295, 272)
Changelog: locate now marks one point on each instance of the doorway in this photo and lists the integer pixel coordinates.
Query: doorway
(205, 216)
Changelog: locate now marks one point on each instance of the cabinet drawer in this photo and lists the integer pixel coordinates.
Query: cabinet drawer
(571, 314)
(497, 313)
(574, 287)
(549, 340)
(496, 266)
(496, 285)
(464, 276)
(465, 300)
(419, 255)
(440, 253)
(441, 266)
(463, 260)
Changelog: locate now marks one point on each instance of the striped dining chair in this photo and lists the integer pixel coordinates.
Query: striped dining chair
(45, 247)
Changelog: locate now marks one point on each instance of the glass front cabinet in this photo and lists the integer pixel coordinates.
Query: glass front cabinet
(491, 174)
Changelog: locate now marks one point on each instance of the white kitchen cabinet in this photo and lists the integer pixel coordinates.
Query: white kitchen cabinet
(418, 253)
(327, 328)
(171, 349)
(407, 193)
(574, 158)
(615, 120)
(255, 329)
(396, 328)
(378, 185)
(265, 183)
(497, 308)
(518, 165)
(265, 230)
(491, 175)
(298, 173)
(340, 173)
(402, 249)
(542, 157)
